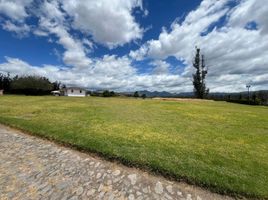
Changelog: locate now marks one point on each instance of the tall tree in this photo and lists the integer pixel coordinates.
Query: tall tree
(199, 77)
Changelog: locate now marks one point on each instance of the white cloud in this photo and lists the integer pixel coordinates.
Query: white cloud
(16, 66)
(161, 67)
(139, 54)
(14, 9)
(110, 22)
(183, 37)
(21, 30)
(52, 21)
(109, 72)
(250, 11)
(107, 22)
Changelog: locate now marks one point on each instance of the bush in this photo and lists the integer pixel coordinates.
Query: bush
(5, 82)
(244, 101)
(31, 85)
(107, 93)
(136, 94)
(143, 96)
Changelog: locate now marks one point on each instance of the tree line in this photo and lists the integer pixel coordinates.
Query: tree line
(27, 85)
(254, 98)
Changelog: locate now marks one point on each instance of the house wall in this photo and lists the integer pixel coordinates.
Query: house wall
(75, 92)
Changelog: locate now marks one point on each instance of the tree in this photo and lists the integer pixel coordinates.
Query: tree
(143, 96)
(254, 96)
(31, 85)
(56, 85)
(5, 82)
(240, 96)
(112, 94)
(136, 94)
(199, 77)
(106, 93)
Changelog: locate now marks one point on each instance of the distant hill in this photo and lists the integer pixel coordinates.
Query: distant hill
(191, 94)
(157, 94)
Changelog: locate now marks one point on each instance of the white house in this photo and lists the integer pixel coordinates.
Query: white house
(74, 92)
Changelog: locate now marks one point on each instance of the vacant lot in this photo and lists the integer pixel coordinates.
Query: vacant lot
(218, 145)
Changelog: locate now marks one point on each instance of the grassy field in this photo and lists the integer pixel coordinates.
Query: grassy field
(218, 145)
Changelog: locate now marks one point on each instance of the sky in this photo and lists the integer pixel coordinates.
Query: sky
(129, 45)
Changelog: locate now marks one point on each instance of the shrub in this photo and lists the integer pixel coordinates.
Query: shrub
(244, 101)
(31, 85)
(143, 96)
(107, 93)
(136, 94)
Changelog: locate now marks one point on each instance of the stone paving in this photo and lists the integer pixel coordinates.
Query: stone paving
(32, 168)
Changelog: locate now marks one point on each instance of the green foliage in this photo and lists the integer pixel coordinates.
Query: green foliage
(200, 89)
(218, 145)
(31, 85)
(136, 94)
(112, 93)
(5, 82)
(245, 101)
(256, 98)
(56, 85)
(143, 96)
(108, 93)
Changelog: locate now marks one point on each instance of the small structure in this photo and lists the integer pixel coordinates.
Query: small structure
(74, 92)
(1, 92)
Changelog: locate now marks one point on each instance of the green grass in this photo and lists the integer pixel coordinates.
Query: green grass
(218, 145)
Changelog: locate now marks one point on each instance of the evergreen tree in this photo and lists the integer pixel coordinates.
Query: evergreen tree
(199, 77)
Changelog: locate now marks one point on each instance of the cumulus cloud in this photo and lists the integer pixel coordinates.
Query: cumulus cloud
(161, 67)
(109, 72)
(107, 22)
(52, 21)
(250, 11)
(21, 30)
(110, 22)
(183, 37)
(16, 10)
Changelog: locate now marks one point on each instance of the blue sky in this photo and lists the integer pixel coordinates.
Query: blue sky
(127, 45)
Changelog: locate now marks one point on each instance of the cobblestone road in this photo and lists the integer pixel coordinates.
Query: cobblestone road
(32, 168)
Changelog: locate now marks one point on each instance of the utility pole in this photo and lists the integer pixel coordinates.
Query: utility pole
(248, 86)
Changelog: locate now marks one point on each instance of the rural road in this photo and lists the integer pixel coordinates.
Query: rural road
(32, 168)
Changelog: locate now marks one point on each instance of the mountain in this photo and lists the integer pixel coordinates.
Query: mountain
(157, 94)
(212, 95)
